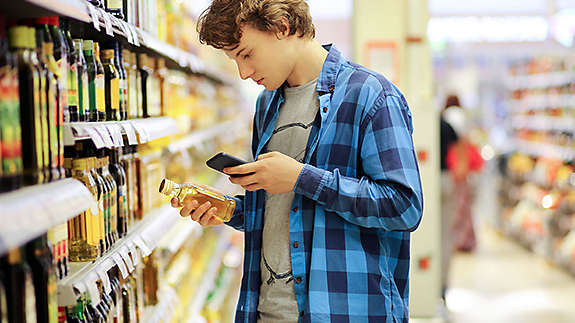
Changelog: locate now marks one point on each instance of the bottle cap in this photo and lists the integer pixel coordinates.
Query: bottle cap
(42, 20)
(78, 44)
(166, 186)
(88, 45)
(53, 21)
(18, 36)
(108, 54)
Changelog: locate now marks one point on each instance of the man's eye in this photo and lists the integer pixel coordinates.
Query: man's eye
(246, 56)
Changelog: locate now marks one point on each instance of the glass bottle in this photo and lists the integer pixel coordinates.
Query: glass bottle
(125, 70)
(72, 73)
(3, 300)
(145, 73)
(100, 83)
(112, 85)
(10, 133)
(88, 47)
(161, 75)
(224, 204)
(39, 257)
(119, 175)
(116, 8)
(83, 92)
(150, 277)
(125, 160)
(138, 207)
(138, 87)
(101, 211)
(84, 236)
(123, 84)
(20, 288)
(113, 206)
(28, 80)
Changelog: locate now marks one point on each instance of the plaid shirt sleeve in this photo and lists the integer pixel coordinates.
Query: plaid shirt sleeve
(388, 195)
(237, 220)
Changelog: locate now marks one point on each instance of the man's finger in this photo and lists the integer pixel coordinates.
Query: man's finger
(175, 203)
(244, 180)
(207, 217)
(253, 187)
(200, 211)
(266, 155)
(242, 169)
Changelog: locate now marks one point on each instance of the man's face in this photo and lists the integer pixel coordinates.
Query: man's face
(264, 57)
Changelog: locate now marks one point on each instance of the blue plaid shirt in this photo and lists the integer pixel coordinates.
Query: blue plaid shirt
(357, 198)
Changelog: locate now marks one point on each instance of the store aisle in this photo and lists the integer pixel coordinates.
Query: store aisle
(503, 282)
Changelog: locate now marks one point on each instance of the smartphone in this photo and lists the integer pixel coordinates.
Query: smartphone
(223, 160)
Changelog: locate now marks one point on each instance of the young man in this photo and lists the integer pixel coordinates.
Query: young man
(335, 188)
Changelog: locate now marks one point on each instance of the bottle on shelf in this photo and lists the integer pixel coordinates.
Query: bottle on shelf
(119, 175)
(150, 278)
(10, 131)
(123, 82)
(145, 72)
(113, 206)
(84, 229)
(39, 257)
(61, 57)
(161, 74)
(139, 113)
(131, 72)
(138, 207)
(92, 72)
(224, 204)
(29, 95)
(103, 215)
(72, 72)
(3, 299)
(83, 92)
(20, 291)
(112, 83)
(100, 83)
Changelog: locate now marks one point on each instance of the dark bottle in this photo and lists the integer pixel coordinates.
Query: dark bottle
(145, 74)
(61, 57)
(3, 299)
(116, 8)
(88, 47)
(83, 93)
(123, 81)
(126, 160)
(19, 288)
(112, 81)
(29, 94)
(72, 74)
(113, 203)
(39, 257)
(50, 122)
(10, 133)
(138, 206)
(119, 175)
(100, 84)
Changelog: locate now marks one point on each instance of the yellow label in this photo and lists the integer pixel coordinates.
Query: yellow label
(100, 93)
(115, 93)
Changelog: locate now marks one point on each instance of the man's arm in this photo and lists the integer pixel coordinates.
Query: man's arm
(389, 195)
(237, 220)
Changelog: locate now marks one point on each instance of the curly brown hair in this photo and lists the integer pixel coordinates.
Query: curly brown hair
(220, 24)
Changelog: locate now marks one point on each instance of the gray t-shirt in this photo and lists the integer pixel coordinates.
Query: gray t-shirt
(277, 303)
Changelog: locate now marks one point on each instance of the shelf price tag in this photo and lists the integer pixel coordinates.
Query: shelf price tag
(107, 22)
(114, 135)
(103, 275)
(142, 245)
(135, 254)
(135, 35)
(124, 253)
(127, 31)
(121, 265)
(96, 137)
(94, 15)
(106, 136)
(93, 292)
(130, 132)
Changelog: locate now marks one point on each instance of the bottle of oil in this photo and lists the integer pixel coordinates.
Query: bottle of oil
(119, 175)
(3, 299)
(100, 83)
(101, 212)
(161, 75)
(72, 73)
(112, 85)
(123, 81)
(126, 161)
(19, 288)
(39, 257)
(138, 207)
(145, 74)
(224, 204)
(131, 78)
(113, 206)
(150, 278)
(10, 133)
(83, 92)
(84, 229)
(138, 92)
(29, 84)
(91, 68)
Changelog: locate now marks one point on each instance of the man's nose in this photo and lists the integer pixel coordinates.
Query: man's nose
(245, 71)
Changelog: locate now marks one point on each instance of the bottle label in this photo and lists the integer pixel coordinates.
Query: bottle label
(85, 94)
(115, 93)
(30, 299)
(100, 93)
(73, 86)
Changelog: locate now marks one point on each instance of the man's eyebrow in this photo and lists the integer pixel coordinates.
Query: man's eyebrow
(241, 50)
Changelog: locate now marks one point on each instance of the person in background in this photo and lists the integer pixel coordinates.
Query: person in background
(447, 138)
(462, 159)
(335, 188)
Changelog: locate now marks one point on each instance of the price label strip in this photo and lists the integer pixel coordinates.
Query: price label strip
(96, 137)
(124, 253)
(121, 265)
(135, 254)
(130, 132)
(107, 22)
(142, 245)
(94, 15)
(106, 136)
(103, 275)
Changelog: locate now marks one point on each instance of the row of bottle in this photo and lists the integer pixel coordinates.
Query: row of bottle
(113, 177)
(28, 290)
(47, 79)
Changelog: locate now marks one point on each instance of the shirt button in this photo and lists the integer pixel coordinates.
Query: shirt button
(295, 209)
(301, 313)
(298, 280)
(295, 244)
(324, 110)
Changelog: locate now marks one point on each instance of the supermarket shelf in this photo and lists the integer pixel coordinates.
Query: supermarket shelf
(144, 236)
(544, 150)
(196, 138)
(542, 102)
(109, 134)
(29, 212)
(542, 123)
(209, 278)
(162, 312)
(179, 234)
(102, 21)
(540, 81)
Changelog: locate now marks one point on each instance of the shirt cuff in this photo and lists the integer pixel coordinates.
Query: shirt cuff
(311, 181)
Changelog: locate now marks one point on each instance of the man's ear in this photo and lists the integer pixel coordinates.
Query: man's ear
(284, 31)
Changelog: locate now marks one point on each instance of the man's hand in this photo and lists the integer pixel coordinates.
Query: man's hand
(202, 214)
(274, 172)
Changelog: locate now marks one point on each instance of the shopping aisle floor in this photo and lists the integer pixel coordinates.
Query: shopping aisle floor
(503, 282)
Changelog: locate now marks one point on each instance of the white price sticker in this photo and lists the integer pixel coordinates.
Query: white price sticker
(126, 30)
(96, 137)
(107, 22)
(118, 134)
(142, 245)
(130, 132)
(125, 255)
(93, 292)
(112, 132)
(103, 275)
(135, 35)
(135, 254)
(105, 135)
(123, 270)
(94, 15)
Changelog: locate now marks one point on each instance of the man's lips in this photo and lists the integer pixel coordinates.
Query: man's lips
(259, 81)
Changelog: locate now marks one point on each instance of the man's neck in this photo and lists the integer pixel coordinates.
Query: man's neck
(308, 65)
